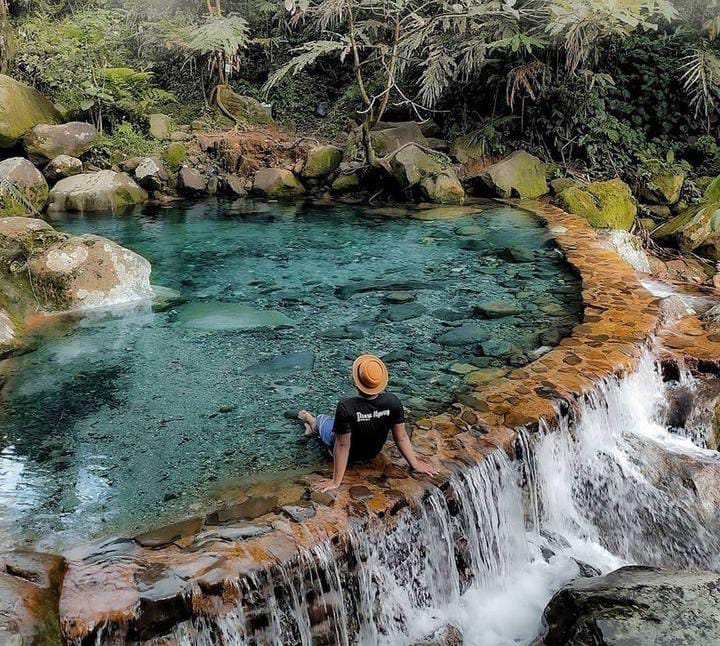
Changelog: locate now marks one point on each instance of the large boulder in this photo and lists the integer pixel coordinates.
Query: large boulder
(244, 109)
(412, 164)
(467, 149)
(389, 139)
(30, 584)
(62, 166)
(322, 161)
(161, 126)
(105, 190)
(437, 182)
(663, 188)
(45, 142)
(191, 181)
(695, 229)
(22, 108)
(518, 175)
(85, 272)
(22, 187)
(151, 173)
(606, 205)
(444, 188)
(636, 605)
(277, 183)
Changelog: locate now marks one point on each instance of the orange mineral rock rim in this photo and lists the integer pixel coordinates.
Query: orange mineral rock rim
(620, 316)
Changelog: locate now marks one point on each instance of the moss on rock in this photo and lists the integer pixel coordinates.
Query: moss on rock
(22, 108)
(174, 155)
(664, 188)
(277, 183)
(322, 161)
(444, 188)
(25, 187)
(519, 175)
(606, 205)
(345, 183)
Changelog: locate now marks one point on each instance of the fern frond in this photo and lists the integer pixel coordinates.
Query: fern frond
(9, 190)
(308, 54)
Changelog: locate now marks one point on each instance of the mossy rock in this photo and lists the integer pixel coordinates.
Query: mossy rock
(412, 164)
(664, 188)
(346, 183)
(322, 161)
(519, 175)
(245, 109)
(444, 188)
(695, 229)
(105, 190)
(387, 140)
(160, 126)
(467, 150)
(174, 155)
(562, 184)
(606, 205)
(21, 109)
(277, 183)
(712, 191)
(29, 188)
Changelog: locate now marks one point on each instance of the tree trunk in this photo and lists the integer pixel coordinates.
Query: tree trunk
(4, 36)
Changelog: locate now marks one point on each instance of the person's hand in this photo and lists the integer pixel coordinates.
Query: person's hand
(425, 467)
(325, 485)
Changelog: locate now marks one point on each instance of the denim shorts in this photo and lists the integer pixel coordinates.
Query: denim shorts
(324, 426)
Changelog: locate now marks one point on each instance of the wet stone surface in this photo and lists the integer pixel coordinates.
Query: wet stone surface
(153, 411)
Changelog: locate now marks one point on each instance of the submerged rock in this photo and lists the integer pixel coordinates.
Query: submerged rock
(105, 190)
(606, 205)
(22, 108)
(519, 175)
(45, 142)
(285, 364)
(29, 188)
(216, 317)
(636, 605)
(467, 334)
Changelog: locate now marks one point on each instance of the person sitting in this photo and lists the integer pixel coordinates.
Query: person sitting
(360, 427)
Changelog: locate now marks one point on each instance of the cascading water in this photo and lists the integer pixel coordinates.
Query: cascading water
(612, 488)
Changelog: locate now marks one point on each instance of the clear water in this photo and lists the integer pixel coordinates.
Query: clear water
(615, 489)
(122, 419)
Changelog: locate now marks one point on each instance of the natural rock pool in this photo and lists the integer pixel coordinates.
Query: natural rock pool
(119, 420)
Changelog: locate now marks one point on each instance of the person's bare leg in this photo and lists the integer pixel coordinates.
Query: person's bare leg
(309, 421)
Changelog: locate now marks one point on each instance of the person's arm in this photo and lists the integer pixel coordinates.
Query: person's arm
(403, 443)
(341, 454)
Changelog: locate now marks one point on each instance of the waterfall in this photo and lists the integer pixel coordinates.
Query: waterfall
(610, 487)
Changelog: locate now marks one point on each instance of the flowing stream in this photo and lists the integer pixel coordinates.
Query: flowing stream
(614, 487)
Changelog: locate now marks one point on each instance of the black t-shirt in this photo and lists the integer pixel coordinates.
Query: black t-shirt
(369, 421)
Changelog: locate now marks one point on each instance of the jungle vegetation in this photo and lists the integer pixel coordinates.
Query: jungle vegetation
(597, 86)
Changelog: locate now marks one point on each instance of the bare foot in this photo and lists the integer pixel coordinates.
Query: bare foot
(309, 430)
(307, 417)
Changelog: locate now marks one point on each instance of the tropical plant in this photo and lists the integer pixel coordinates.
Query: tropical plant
(219, 42)
(403, 53)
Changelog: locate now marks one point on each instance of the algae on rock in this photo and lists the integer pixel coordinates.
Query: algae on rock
(22, 108)
(606, 205)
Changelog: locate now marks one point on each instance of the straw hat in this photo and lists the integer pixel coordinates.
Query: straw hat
(370, 374)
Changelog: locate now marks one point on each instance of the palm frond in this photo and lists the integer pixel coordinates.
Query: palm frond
(225, 35)
(701, 79)
(8, 191)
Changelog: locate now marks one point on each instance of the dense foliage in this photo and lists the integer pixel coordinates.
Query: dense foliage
(600, 86)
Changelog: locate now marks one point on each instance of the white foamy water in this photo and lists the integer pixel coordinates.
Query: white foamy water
(488, 554)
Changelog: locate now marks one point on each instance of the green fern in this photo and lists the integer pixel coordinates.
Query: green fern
(8, 191)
